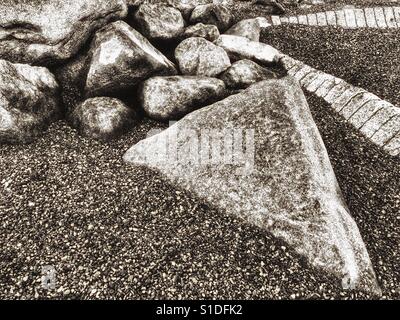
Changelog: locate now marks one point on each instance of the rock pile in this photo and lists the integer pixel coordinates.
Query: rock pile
(133, 57)
(170, 59)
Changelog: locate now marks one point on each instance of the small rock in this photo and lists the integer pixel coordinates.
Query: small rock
(276, 7)
(121, 58)
(243, 48)
(102, 118)
(186, 6)
(249, 28)
(244, 73)
(159, 22)
(28, 101)
(197, 56)
(206, 31)
(170, 98)
(215, 14)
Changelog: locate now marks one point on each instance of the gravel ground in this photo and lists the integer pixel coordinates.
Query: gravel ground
(113, 231)
(370, 183)
(368, 58)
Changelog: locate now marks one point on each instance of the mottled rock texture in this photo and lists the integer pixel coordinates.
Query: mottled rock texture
(102, 118)
(206, 31)
(244, 73)
(121, 58)
(275, 6)
(170, 98)
(159, 22)
(45, 32)
(28, 101)
(187, 6)
(249, 28)
(216, 14)
(242, 48)
(285, 184)
(197, 56)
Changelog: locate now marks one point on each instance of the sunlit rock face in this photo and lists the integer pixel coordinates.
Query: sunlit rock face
(28, 101)
(121, 58)
(186, 6)
(44, 32)
(170, 98)
(102, 118)
(206, 31)
(198, 56)
(244, 73)
(216, 14)
(249, 28)
(258, 155)
(159, 22)
(239, 47)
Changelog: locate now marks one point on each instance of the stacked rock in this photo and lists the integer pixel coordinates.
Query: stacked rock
(161, 58)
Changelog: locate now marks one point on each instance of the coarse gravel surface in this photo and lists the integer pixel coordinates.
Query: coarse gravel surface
(370, 183)
(115, 231)
(369, 58)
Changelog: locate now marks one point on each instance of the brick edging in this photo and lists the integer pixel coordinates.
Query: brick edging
(376, 119)
(378, 17)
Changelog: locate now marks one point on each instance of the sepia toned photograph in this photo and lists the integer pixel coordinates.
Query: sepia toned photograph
(200, 150)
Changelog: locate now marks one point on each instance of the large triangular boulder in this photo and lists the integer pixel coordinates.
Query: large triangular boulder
(258, 155)
(46, 32)
(121, 58)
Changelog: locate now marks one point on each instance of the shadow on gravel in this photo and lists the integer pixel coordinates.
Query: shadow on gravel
(370, 182)
(114, 231)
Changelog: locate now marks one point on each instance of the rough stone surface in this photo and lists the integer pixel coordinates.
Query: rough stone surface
(215, 14)
(170, 98)
(243, 48)
(244, 73)
(249, 28)
(283, 182)
(45, 32)
(102, 118)
(28, 101)
(197, 56)
(206, 31)
(159, 22)
(274, 5)
(187, 6)
(121, 58)
(135, 3)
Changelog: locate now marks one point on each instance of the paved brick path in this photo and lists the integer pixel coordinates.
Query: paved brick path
(375, 118)
(380, 17)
